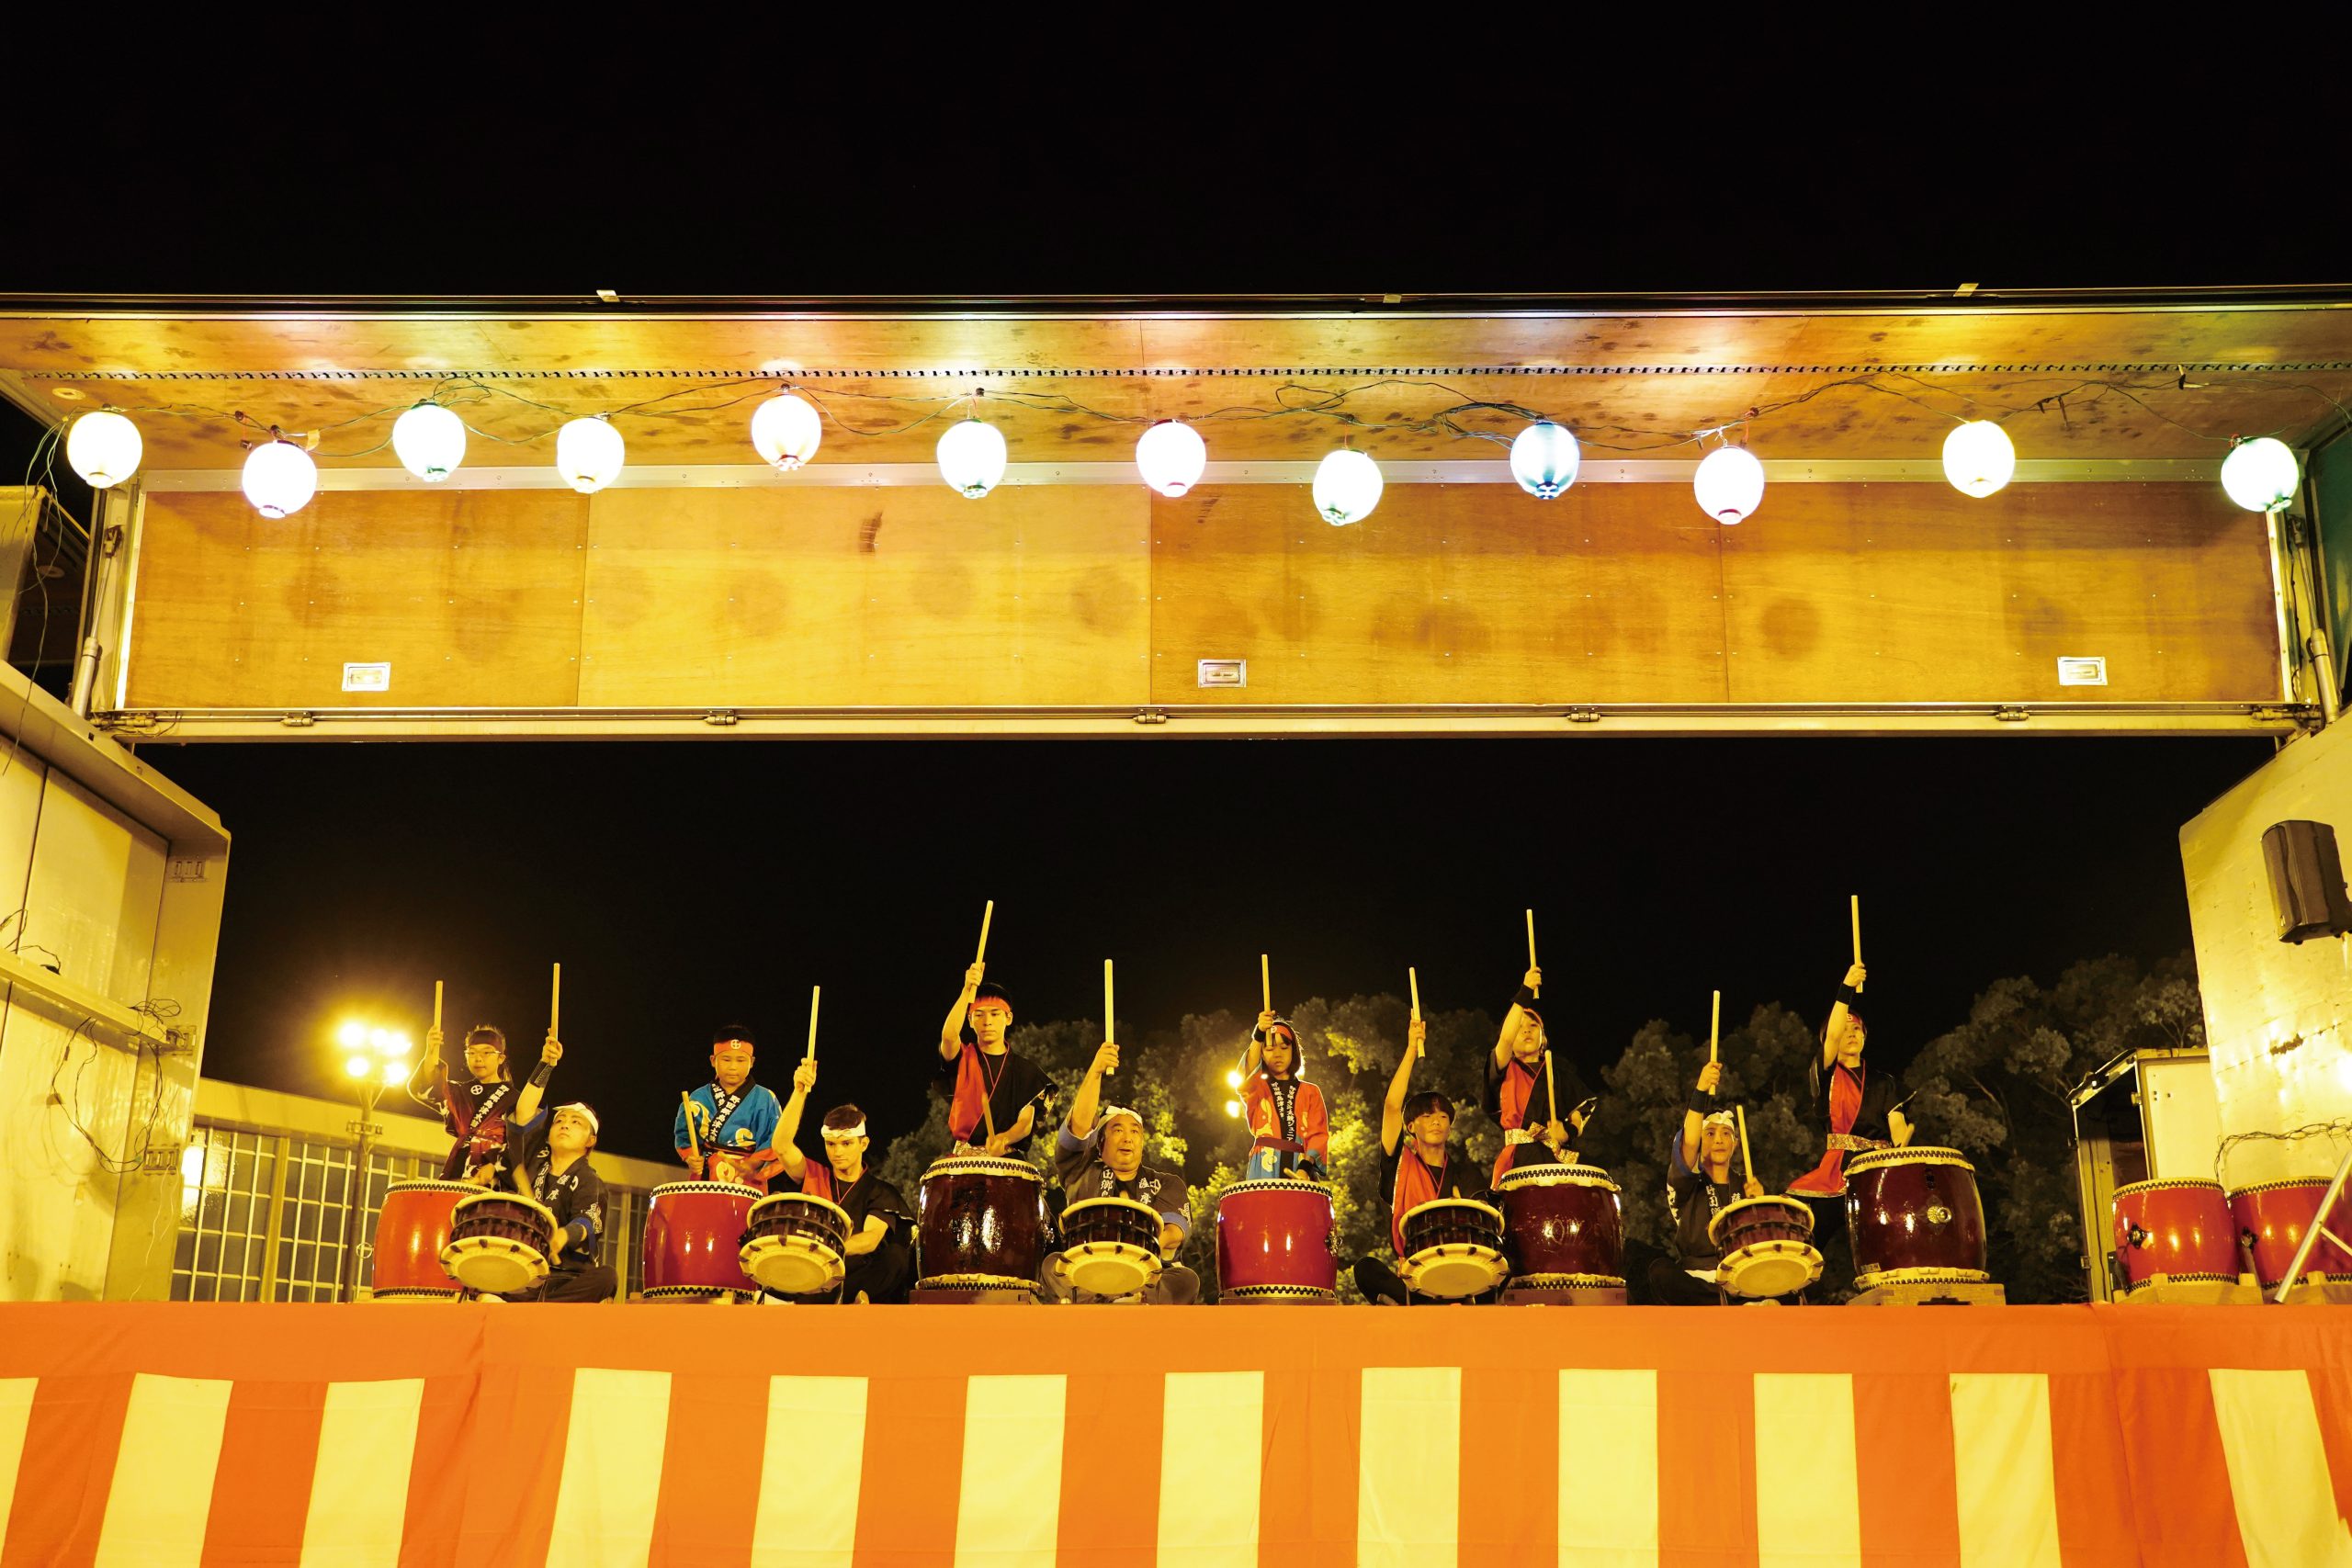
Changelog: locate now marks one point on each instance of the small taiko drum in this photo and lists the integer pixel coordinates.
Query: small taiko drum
(694, 1240)
(411, 1230)
(2273, 1217)
(1563, 1226)
(500, 1243)
(795, 1243)
(1110, 1245)
(2180, 1229)
(1274, 1243)
(1914, 1217)
(1454, 1248)
(1766, 1246)
(981, 1224)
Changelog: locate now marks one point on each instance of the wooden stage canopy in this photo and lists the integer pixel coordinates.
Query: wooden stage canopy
(704, 593)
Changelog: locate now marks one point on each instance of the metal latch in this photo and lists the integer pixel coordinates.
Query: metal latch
(2013, 714)
(723, 717)
(1150, 715)
(1582, 715)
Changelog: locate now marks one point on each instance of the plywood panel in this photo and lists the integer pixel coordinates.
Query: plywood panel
(831, 598)
(1917, 593)
(473, 596)
(1461, 593)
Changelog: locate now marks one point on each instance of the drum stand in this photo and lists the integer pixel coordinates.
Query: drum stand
(2319, 1228)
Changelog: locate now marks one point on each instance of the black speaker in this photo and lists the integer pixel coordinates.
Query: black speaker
(2306, 881)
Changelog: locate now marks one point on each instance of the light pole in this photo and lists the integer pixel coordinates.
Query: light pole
(374, 1059)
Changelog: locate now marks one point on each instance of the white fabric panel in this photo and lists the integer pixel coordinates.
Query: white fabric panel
(808, 1501)
(1008, 1512)
(359, 1484)
(2009, 1487)
(1409, 1473)
(1609, 1488)
(1808, 1490)
(16, 1412)
(2278, 1479)
(1207, 1520)
(162, 1492)
(612, 1469)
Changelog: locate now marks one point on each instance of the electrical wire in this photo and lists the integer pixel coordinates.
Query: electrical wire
(2339, 1127)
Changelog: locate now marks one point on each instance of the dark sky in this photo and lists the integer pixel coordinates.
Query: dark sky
(682, 885)
(689, 884)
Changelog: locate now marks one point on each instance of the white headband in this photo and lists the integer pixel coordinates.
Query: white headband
(1103, 1117)
(844, 1134)
(584, 1111)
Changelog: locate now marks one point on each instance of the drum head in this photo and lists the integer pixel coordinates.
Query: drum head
(792, 1266)
(1110, 1268)
(1770, 1268)
(1453, 1272)
(493, 1265)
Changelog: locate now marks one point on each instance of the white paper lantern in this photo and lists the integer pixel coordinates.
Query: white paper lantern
(1543, 459)
(280, 478)
(430, 442)
(786, 431)
(1979, 457)
(589, 454)
(104, 448)
(2261, 474)
(1729, 484)
(1347, 487)
(1170, 457)
(972, 457)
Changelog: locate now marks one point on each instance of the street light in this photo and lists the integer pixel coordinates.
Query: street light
(375, 1058)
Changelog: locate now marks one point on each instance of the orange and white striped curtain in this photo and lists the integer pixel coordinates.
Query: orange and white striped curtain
(375, 1435)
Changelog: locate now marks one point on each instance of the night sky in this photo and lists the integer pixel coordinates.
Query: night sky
(688, 884)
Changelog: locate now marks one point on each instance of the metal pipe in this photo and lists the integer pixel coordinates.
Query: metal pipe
(2319, 1224)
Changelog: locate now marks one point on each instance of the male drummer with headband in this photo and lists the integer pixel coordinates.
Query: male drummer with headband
(732, 1135)
(480, 1112)
(879, 1265)
(1517, 1093)
(1858, 1109)
(1699, 1186)
(1414, 1170)
(1100, 1155)
(551, 1167)
(986, 1074)
(1290, 1133)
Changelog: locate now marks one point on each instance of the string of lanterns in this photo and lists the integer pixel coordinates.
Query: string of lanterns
(281, 477)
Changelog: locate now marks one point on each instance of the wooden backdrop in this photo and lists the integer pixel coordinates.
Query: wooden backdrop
(1105, 596)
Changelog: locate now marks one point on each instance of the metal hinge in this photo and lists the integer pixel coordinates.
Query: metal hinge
(723, 717)
(1582, 715)
(2270, 714)
(1150, 715)
(2013, 714)
(299, 720)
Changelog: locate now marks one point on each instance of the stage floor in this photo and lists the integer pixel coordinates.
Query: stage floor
(155, 1434)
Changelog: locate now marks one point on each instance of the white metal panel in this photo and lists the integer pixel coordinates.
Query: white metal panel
(2180, 1116)
(97, 888)
(57, 1225)
(2276, 1013)
(20, 787)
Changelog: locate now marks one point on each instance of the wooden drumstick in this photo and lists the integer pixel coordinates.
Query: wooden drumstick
(1747, 1160)
(1715, 1026)
(1266, 983)
(1856, 906)
(986, 916)
(1531, 947)
(1550, 1089)
(1109, 1031)
(437, 1004)
(555, 1003)
(1414, 980)
(814, 993)
(694, 1139)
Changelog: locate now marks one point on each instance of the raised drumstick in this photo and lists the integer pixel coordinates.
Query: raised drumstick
(986, 916)
(1747, 1160)
(1715, 1026)
(437, 1004)
(814, 993)
(1265, 983)
(1110, 1031)
(555, 1003)
(1531, 947)
(1414, 980)
(1856, 906)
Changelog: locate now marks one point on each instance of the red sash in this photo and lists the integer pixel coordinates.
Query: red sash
(1516, 1092)
(1414, 1187)
(817, 1178)
(1827, 1180)
(971, 1094)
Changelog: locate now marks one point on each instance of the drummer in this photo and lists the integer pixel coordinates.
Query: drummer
(879, 1261)
(972, 1053)
(550, 1165)
(1699, 1186)
(1858, 1109)
(479, 1110)
(1516, 1090)
(1099, 1153)
(732, 1135)
(1418, 1163)
(1289, 1131)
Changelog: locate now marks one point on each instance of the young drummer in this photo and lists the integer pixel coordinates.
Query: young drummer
(479, 1110)
(1290, 1133)
(998, 1092)
(1699, 1185)
(1517, 1094)
(879, 1265)
(1099, 1153)
(1418, 1163)
(732, 1135)
(551, 1166)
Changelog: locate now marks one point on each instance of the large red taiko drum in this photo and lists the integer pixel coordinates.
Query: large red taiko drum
(411, 1230)
(2273, 1218)
(980, 1226)
(1563, 1225)
(693, 1240)
(1274, 1243)
(1914, 1217)
(2179, 1229)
